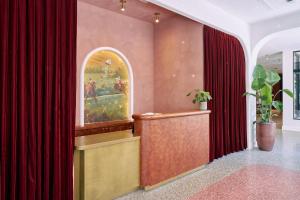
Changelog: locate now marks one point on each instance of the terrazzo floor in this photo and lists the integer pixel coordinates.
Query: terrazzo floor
(221, 176)
(255, 182)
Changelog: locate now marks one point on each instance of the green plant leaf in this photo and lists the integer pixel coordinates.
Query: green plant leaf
(265, 113)
(258, 84)
(266, 95)
(278, 105)
(288, 92)
(265, 117)
(259, 72)
(272, 77)
(200, 96)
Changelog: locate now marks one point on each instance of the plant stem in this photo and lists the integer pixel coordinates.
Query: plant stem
(276, 94)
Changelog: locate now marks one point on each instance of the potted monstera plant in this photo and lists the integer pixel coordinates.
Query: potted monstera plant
(262, 84)
(201, 97)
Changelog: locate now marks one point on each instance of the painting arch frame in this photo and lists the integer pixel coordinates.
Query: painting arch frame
(130, 78)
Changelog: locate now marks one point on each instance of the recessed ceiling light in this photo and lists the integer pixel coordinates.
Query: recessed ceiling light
(123, 2)
(156, 17)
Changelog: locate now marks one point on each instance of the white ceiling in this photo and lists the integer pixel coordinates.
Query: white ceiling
(271, 54)
(252, 11)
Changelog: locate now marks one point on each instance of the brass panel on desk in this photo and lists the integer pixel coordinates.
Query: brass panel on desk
(106, 166)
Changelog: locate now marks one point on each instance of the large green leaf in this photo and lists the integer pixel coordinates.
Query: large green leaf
(278, 105)
(288, 92)
(259, 72)
(272, 77)
(258, 83)
(266, 95)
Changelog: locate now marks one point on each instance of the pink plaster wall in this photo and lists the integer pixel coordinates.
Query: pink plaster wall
(98, 27)
(178, 63)
(166, 58)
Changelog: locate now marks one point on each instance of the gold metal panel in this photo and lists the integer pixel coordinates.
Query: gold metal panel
(107, 171)
(94, 141)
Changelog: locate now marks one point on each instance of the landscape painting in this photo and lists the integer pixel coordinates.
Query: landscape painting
(106, 88)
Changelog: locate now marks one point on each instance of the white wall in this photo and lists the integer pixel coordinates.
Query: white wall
(289, 123)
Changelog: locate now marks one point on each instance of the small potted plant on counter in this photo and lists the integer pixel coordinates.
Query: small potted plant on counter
(262, 84)
(201, 97)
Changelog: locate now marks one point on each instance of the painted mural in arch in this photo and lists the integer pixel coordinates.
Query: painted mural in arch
(106, 88)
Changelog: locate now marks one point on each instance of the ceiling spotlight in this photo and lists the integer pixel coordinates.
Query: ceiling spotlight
(123, 2)
(156, 17)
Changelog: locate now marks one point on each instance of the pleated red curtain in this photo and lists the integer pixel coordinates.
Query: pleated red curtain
(225, 79)
(37, 98)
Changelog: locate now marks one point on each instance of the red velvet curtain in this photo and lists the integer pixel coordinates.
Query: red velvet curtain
(37, 98)
(225, 79)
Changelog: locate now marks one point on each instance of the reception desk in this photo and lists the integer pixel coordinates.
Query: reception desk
(172, 145)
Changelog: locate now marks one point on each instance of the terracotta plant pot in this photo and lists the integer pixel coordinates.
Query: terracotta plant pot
(203, 105)
(265, 135)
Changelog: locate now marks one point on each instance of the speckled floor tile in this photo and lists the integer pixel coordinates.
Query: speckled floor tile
(257, 182)
(285, 155)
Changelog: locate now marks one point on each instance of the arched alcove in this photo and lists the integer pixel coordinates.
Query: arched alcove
(280, 34)
(286, 43)
(106, 92)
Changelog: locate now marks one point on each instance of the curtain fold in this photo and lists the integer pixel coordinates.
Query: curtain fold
(225, 79)
(37, 98)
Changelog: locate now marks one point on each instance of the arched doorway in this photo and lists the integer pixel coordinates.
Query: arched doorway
(284, 43)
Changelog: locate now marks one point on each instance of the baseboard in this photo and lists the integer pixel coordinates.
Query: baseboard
(151, 187)
(291, 128)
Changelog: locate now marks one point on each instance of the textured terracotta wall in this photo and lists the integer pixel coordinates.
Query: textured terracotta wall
(134, 38)
(178, 63)
(172, 144)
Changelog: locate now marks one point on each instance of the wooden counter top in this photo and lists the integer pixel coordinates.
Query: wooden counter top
(103, 127)
(168, 115)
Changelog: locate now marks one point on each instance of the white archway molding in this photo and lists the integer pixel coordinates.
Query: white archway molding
(81, 81)
(260, 44)
(252, 62)
(262, 29)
